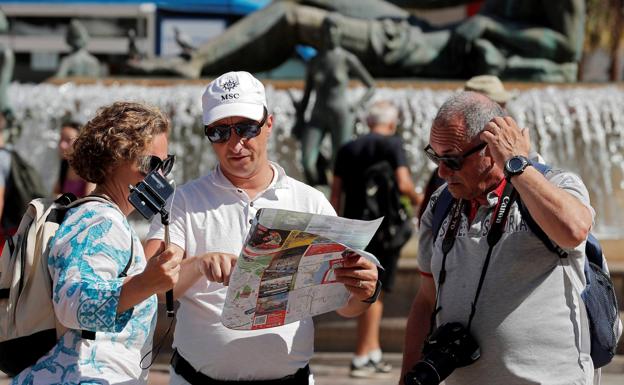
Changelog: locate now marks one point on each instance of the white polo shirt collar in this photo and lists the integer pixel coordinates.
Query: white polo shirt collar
(279, 181)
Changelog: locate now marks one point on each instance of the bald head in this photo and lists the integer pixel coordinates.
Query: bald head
(475, 109)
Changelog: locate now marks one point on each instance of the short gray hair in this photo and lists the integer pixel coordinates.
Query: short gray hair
(476, 109)
(382, 112)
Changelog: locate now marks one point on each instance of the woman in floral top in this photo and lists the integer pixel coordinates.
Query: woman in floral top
(93, 247)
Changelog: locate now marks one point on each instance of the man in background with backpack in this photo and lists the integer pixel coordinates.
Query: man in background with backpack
(372, 173)
(487, 270)
(19, 184)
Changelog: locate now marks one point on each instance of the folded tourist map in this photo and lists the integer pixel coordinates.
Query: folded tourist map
(285, 271)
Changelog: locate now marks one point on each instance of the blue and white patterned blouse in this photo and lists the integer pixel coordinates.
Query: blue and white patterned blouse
(89, 251)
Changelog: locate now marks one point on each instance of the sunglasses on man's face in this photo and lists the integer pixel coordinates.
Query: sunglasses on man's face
(149, 163)
(454, 162)
(246, 129)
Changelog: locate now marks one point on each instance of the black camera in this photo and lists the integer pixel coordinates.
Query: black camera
(449, 347)
(150, 195)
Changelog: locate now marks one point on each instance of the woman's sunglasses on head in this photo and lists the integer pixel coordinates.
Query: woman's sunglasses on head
(454, 162)
(246, 129)
(149, 163)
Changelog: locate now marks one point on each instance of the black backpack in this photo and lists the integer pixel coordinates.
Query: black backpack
(24, 184)
(383, 199)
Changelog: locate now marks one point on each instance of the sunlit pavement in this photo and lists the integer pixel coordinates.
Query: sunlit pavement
(333, 369)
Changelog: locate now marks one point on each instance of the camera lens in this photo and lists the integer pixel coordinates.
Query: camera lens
(448, 347)
(432, 369)
(422, 374)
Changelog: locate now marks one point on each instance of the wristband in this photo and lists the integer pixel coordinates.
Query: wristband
(375, 295)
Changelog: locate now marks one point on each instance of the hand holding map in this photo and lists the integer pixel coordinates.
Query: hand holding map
(286, 269)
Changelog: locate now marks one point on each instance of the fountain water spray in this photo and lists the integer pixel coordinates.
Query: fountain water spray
(580, 129)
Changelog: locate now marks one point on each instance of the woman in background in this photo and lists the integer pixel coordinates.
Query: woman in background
(69, 181)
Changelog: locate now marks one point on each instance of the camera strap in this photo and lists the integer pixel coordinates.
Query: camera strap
(447, 245)
(495, 233)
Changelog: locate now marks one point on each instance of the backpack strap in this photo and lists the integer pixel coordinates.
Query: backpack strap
(91, 198)
(57, 215)
(68, 201)
(584, 339)
(441, 208)
(533, 226)
(593, 250)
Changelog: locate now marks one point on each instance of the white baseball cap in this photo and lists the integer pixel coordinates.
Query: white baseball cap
(233, 94)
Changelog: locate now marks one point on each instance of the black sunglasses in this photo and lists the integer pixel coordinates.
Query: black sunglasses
(246, 129)
(454, 162)
(149, 163)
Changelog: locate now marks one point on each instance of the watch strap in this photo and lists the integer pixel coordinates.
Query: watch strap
(510, 173)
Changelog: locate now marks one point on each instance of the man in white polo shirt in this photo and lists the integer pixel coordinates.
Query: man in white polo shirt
(209, 221)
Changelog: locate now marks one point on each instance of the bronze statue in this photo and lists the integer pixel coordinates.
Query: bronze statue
(134, 53)
(529, 39)
(184, 42)
(79, 62)
(328, 76)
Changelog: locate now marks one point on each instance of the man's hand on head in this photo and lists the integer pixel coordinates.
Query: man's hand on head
(505, 139)
(217, 267)
(359, 275)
